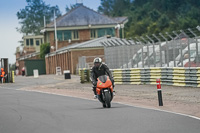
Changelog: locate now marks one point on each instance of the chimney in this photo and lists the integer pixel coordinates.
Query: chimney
(79, 3)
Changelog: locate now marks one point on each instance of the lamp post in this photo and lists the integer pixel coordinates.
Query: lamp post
(55, 30)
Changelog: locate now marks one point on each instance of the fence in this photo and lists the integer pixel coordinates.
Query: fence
(87, 61)
(176, 49)
(176, 76)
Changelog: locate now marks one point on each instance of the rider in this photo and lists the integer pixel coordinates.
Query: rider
(99, 69)
(2, 74)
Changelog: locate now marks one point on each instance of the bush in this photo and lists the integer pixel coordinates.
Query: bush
(44, 49)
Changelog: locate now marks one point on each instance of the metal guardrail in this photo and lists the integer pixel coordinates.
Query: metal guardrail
(176, 76)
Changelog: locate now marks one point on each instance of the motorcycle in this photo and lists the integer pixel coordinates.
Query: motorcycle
(104, 90)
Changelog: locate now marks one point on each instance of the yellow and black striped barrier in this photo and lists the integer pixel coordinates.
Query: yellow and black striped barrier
(84, 75)
(176, 76)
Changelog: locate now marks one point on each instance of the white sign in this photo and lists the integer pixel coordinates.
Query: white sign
(35, 73)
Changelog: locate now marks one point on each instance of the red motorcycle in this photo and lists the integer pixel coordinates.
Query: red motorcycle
(104, 90)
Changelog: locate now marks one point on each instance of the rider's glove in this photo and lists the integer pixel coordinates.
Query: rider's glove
(112, 80)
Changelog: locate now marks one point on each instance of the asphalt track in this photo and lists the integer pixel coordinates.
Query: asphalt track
(34, 112)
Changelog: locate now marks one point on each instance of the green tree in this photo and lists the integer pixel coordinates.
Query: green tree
(163, 22)
(44, 49)
(67, 8)
(153, 16)
(32, 16)
(114, 7)
(106, 7)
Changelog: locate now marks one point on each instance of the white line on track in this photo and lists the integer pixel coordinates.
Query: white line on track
(112, 102)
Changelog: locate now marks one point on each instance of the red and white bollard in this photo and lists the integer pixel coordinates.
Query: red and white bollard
(159, 92)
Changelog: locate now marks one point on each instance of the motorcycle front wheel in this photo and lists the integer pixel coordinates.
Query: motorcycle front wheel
(107, 99)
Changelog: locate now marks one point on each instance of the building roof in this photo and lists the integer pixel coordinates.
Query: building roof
(28, 56)
(120, 19)
(83, 16)
(117, 42)
(95, 43)
(32, 36)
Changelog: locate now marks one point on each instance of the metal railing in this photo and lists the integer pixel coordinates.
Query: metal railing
(87, 61)
(176, 49)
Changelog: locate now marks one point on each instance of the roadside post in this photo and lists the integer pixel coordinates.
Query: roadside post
(13, 77)
(159, 92)
(82, 76)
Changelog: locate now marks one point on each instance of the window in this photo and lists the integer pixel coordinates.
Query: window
(63, 35)
(75, 35)
(93, 34)
(47, 37)
(60, 35)
(31, 42)
(27, 42)
(37, 42)
(108, 31)
(101, 32)
(67, 35)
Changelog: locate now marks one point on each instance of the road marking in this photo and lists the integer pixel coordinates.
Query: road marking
(194, 117)
(96, 100)
(5, 88)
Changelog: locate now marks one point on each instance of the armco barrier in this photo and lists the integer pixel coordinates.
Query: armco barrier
(176, 76)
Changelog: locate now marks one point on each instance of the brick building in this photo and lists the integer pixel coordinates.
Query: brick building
(67, 57)
(81, 24)
(79, 33)
(32, 43)
(30, 50)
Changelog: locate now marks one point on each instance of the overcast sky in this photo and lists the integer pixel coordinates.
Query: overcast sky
(9, 37)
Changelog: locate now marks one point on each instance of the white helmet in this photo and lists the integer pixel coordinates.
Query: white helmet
(97, 62)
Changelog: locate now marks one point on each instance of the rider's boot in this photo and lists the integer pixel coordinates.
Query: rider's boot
(95, 93)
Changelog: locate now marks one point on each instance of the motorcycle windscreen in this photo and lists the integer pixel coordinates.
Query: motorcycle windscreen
(103, 78)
